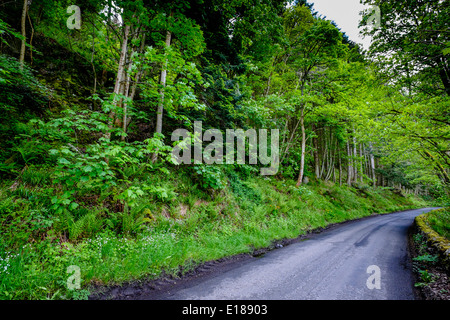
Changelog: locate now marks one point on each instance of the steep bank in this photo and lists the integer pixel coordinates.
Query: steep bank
(185, 228)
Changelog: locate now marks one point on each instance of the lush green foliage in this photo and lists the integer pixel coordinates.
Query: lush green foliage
(440, 222)
(180, 226)
(86, 117)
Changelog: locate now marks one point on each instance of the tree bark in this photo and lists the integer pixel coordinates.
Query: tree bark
(330, 157)
(372, 165)
(349, 165)
(160, 110)
(324, 155)
(159, 113)
(361, 163)
(120, 75)
(335, 154)
(316, 154)
(302, 158)
(126, 119)
(289, 142)
(24, 34)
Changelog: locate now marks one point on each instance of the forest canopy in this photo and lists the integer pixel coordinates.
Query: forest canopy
(137, 70)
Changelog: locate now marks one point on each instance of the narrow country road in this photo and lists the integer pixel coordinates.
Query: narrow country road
(364, 259)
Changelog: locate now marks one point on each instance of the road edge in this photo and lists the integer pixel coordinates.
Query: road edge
(155, 288)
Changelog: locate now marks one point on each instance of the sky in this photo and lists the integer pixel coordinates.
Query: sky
(345, 13)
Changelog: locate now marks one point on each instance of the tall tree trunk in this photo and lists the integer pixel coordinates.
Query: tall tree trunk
(324, 154)
(289, 142)
(316, 153)
(160, 110)
(24, 33)
(335, 154)
(302, 158)
(126, 93)
(361, 163)
(126, 119)
(330, 158)
(372, 165)
(365, 161)
(159, 113)
(349, 165)
(444, 73)
(120, 75)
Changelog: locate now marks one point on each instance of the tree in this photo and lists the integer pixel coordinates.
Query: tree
(24, 32)
(411, 40)
(315, 49)
(409, 49)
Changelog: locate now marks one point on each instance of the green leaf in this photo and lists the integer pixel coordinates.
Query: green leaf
(63, 161)
(73, 206)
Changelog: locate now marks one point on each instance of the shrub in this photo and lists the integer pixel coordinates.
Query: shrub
(209, 177)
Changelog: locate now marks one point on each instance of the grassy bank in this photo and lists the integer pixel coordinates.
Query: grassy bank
(174, 223)
(430, 261)
(439, 221)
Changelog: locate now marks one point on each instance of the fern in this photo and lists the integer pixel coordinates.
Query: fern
(87, 225)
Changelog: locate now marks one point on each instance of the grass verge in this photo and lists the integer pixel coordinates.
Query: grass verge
(180, 225)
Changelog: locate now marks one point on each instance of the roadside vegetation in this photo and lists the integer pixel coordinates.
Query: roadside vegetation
(88, 108)
(439, 221)
(432, 277)
(183, 226)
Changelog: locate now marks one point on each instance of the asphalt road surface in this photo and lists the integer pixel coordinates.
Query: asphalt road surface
(360, 260)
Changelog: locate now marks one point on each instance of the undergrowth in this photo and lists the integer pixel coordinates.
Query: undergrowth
(154, 221)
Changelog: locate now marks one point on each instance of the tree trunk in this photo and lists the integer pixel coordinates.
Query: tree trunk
(372, 165)
(120, 75)
(130, 95)
(125, 106)
(316, 154)
(444, 74)
(349, 165)
(160, 110)
(330, 158)
(361, 163)
(24, 34)
(159, 113)
(302, 159)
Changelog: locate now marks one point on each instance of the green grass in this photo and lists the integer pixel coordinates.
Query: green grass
(174, 224)
(439, 221)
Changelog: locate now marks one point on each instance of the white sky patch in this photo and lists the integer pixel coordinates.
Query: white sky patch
(345, 13)
(115, 12)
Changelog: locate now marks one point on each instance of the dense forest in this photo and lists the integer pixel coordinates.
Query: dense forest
(92, 91)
